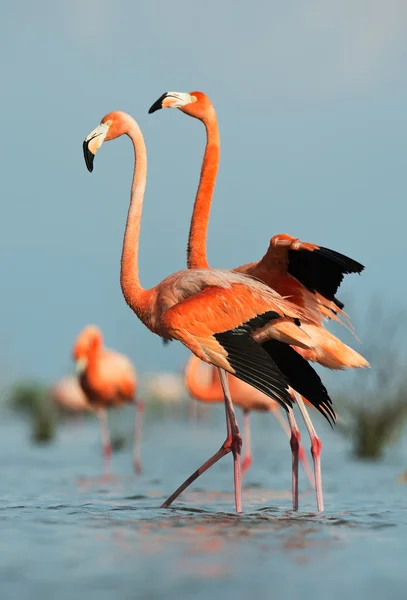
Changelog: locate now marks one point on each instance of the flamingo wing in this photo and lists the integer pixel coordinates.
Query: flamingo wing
(320, 270)
(216, 324)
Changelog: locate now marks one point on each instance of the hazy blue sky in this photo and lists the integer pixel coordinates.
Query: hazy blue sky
(311, 98)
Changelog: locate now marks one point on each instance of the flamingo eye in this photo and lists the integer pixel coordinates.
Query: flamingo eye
(108, 123)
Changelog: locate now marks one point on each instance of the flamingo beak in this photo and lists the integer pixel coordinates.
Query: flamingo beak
(80, 365)
(171, 100)
(92, 144)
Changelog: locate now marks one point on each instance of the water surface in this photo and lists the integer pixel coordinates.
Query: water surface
(71, 530)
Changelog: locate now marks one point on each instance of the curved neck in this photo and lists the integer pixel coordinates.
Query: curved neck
(134, 294)
(205, 393)
(196, 253)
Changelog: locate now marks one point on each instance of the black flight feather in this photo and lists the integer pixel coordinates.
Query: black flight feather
(321, 270)
(301, 376)
(251, 363)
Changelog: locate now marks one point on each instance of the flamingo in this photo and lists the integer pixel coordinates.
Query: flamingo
(220, 316)
(307, 273)
(68, 394)
(246, 397)
(108, 379)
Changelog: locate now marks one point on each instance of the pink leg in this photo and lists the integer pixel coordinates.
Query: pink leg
(301, 452)
(316, 447)
(105, 434)
(295, 445)
(247, 458)
(234, 433)
(137, 436)
(233, 443)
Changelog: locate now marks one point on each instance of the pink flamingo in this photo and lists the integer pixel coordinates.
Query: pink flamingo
(108, 379)
(306, 273)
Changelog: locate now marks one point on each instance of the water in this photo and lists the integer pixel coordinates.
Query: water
(70, 531)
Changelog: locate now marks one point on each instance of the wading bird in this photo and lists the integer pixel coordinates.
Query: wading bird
(220, 316)
(309, 275)
(245, 397)
(108, 380)
(68, 394)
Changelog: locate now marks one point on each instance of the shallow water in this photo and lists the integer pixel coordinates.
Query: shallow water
(69, 530)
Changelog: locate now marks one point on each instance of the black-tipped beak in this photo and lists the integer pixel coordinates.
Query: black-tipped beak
(88, 156)
(157, 104)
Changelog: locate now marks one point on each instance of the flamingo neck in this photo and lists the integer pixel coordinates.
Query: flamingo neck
(134, 294)
(204, 393)
(196, 253)
(94, 352)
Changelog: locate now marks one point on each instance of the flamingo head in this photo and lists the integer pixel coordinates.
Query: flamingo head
(195, 104)
(87, 341)
(112, 126)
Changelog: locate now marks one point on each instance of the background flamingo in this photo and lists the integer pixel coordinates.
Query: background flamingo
(245, 396)
(308, 274)
(68, 394)
(213, 313)
(108, 380)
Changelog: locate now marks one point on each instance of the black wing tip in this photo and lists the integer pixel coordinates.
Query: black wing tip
(338, 303)
(158, 104)
(88, 156)
(301, 376)
(321, 270)
(348, 265)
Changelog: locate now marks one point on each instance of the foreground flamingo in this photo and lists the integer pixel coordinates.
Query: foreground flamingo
(306, 273)
(217, 315)
(68, 394)
(245, 396)
(108, 380)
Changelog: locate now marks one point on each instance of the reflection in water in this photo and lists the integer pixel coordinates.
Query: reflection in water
(208, 544)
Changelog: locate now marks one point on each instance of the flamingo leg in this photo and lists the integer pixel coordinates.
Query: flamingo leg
(301, 452)
(233, 443)
(247, 457)
(138, 425)
(105, 434)
(295, 446)
(236, 441)
(316, 447)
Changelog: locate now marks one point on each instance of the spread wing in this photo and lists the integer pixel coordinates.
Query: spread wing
(317, 268)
